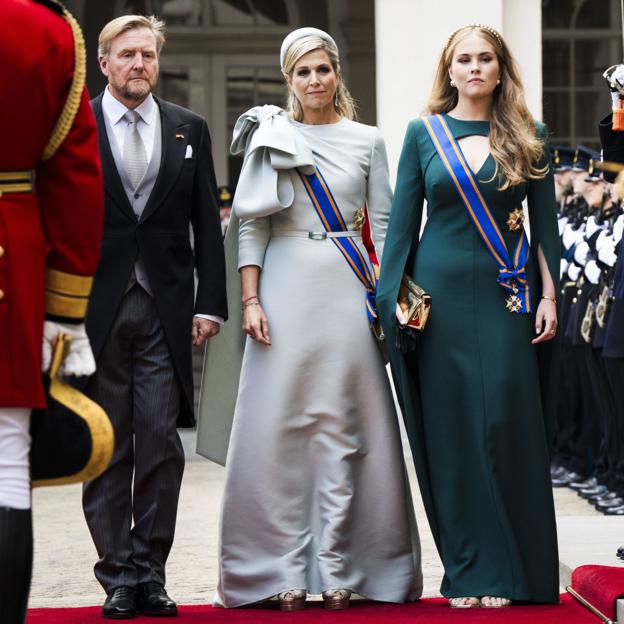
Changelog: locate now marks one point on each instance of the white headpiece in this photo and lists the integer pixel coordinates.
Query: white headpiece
(300, 33)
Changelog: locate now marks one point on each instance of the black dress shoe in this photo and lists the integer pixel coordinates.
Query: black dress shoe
(620, 550)
(556, 471)
(603, 497)
(595, 491)
(614, 511)
(152, 600)
(607, 504)
(566, 478)
(582, 485)
(120, 604)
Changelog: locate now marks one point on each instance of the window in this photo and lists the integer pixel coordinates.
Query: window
(581, 38)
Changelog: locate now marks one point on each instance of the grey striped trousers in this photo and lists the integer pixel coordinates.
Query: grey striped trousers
(132, 523)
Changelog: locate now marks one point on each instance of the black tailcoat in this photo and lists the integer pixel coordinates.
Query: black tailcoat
(184, 195)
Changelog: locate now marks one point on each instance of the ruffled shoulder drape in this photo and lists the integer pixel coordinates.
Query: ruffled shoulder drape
(272, 147)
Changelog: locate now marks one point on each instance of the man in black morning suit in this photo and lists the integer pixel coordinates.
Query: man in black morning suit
(159, 180)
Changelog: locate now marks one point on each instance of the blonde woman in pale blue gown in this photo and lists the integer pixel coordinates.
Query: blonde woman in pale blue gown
(316, 499)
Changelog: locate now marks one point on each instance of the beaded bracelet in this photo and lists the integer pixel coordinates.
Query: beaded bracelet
(249, 299)
(249, 303)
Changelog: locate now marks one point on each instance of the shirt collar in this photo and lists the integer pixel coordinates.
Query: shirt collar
(115, 110)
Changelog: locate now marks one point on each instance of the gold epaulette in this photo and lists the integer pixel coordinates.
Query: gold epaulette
(67, 294)
(66, 119)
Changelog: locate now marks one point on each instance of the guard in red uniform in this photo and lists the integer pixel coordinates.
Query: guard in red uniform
(51, 207)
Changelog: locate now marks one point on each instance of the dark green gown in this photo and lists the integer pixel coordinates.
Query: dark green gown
(476, 394)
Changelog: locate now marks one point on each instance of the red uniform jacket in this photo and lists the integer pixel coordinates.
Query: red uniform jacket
(49, 238)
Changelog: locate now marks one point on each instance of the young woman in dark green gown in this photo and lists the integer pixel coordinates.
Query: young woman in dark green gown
(476, 393)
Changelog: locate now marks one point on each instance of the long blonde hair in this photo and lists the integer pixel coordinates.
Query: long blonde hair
(344, 104)
(513, 143)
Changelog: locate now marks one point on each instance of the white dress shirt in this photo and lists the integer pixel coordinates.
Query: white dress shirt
(147, 109)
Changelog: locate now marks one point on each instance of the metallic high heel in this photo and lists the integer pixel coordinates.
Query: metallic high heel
(336, 599)
(292, 600)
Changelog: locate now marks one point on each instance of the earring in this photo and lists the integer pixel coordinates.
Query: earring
(498, 81)
(336, 100)
(452, 83)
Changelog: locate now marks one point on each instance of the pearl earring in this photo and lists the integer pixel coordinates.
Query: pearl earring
(452, 83)
(498, 81)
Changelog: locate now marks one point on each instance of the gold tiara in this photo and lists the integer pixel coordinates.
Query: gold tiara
(482, 27)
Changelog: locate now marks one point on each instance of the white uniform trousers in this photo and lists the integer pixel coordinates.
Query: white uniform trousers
(14, 457)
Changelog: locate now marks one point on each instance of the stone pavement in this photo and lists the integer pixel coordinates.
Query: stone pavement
(64, 553)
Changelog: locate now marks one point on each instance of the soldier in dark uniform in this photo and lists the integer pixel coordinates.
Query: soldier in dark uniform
(567, 456)
(588, 337)
(575, 426)
(49, 247)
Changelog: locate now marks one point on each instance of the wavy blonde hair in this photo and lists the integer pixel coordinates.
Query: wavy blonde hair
(513, 142)
(344, 104)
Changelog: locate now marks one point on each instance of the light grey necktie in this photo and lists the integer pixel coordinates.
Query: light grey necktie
(134, 155)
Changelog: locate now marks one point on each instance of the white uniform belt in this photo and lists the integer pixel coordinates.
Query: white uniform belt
(315, 235)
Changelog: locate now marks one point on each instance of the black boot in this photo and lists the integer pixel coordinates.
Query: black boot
(16, 551)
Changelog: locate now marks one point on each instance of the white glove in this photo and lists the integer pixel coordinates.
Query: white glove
(79, 360)
(618, 227)
(581, 252)
(574, 272)
(603, 239)
(592, 227)
(580, 235)
(563, 267)
(592, 272)
(562, 223)
(569, 236)
(607, 255)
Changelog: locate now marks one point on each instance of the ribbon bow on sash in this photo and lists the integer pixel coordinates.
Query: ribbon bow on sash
(333, 221)
(511, 273)
(272, 147)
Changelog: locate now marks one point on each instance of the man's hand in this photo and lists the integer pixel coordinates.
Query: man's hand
(202, 330)
(79, 360)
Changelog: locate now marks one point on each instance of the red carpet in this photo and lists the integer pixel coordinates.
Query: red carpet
(601, 586)
(427, 611)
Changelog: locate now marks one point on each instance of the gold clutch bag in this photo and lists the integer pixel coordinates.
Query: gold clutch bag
(414, 302)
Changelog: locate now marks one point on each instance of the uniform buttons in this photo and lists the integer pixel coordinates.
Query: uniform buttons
(574, 300)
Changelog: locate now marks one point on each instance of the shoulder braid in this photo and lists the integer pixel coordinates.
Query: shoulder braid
(68, 114)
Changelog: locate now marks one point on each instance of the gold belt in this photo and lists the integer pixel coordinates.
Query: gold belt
(16, 182)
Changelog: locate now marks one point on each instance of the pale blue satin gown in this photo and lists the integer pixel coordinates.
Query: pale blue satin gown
(316, 495)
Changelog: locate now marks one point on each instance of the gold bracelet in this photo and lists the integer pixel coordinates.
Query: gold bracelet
(550, 299)
(249, 303)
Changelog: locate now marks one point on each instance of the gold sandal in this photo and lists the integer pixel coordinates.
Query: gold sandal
(336, 599)
(292, 600)
(473, 603)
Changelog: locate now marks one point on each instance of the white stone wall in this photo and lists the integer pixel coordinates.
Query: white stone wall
(410, 35)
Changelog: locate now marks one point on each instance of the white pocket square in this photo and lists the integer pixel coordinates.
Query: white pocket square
(189, 152)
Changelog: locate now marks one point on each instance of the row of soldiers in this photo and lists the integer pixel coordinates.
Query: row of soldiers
(589, 439)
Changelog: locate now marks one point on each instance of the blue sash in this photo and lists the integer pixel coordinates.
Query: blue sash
(511, 274)
(333, 221)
